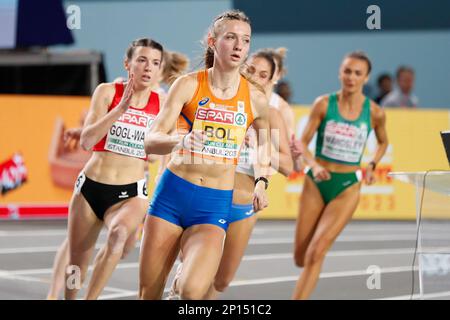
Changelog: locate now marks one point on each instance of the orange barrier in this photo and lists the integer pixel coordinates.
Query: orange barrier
(28, 126)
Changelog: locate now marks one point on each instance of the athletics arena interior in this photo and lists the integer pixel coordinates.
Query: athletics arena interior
(53, 54)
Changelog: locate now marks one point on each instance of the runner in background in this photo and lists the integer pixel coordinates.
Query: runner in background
(343, 121)
(174, 64)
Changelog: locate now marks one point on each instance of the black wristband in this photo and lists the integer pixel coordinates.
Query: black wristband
(262, 179)
(374, 165)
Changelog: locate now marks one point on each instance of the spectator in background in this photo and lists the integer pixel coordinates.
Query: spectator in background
(384, 83)
(402, 96)
(284, 90)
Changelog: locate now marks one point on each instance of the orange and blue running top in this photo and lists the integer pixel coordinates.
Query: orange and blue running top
(224, 122)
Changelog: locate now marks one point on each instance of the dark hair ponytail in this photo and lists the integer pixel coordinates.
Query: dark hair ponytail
(209, 58)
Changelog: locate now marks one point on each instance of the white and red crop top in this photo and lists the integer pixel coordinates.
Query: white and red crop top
(126, 135)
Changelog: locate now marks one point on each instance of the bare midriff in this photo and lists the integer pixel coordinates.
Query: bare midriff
(244, 186)
(111, 168)
(337, 167)
(203, 172)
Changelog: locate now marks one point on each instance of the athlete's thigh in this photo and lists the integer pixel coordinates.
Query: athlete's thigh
(159, 249)
(236, 241)
(201, 247)
(337, 214)
(128, 213)
(311, 207)
(83, 225)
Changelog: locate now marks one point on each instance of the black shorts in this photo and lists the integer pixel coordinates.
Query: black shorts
(101, 196)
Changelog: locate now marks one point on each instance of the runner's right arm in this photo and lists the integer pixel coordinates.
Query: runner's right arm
(99, 120)
(318, 113)
(158, 139)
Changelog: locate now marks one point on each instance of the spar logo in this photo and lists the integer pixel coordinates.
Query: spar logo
(221, 116)
(240, 119)
(204, 101)
(214, 115)
(134, 119)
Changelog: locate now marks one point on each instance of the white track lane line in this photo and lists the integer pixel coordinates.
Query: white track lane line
(262, 241)
(12, 276)
(5, 274)
(356, 228)
(39, 233)
(35, 249)
(337, 253)
(355, 238)
(121, 293)
(257, 230)
(255, 257)
(324, 275)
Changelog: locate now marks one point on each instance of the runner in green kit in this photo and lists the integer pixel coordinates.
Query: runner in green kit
(343, 121)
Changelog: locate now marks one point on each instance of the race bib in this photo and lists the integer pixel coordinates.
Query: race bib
(225, 131)
(126, 135)
(343, 141)
(244, 157)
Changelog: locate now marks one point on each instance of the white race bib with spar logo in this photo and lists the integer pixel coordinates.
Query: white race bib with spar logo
(126, 135)
(225, 130)
(343, 141)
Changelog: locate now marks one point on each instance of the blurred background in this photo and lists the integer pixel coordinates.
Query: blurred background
(53, 53)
